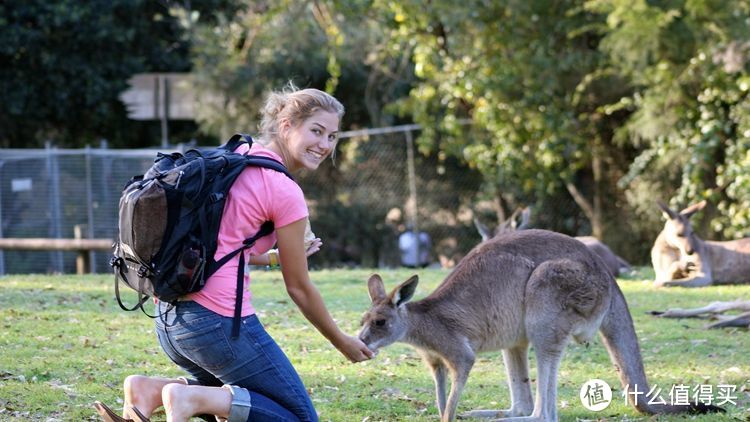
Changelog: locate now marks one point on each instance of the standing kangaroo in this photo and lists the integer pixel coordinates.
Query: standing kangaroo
(530, 287)
(681, 258)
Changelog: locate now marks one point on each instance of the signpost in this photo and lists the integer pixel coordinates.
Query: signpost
(160, 96)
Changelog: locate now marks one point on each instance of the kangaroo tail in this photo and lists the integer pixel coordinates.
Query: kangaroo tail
(619, 337)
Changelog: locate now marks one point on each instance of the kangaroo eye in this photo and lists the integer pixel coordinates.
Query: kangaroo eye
(379, 322)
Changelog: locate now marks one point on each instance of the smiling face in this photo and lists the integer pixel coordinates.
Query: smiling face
(312, 140)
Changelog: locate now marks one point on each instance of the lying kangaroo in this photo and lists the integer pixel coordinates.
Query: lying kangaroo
(530, 287)
(614, 263)
(681, 258)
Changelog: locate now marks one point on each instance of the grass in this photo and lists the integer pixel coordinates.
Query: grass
(65, 343)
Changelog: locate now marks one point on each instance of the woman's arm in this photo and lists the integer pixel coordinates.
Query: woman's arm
(306, 295)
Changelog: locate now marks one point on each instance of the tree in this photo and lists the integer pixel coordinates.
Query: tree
(688, 64)
(544, 95)
(64, 63)
(527, 77)
(331, 45)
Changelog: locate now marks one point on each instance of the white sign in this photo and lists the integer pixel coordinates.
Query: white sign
(20, 185)
(154, 96)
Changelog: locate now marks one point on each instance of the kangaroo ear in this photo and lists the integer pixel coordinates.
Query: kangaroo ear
(482, 229)
(375, 287)
(525, 217)
(669, 214)
(687, 212)
(405, 291)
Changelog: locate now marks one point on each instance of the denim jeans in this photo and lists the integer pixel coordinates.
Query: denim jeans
(199, 341)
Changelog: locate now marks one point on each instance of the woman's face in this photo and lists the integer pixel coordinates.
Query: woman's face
(313, 140)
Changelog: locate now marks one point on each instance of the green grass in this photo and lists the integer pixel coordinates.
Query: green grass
(66, 343)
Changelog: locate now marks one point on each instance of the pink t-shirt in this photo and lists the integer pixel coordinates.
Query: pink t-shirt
(258, 195)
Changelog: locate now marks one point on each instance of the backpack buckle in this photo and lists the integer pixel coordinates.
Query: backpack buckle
(216, 197)
(142, 271)
(115, 261)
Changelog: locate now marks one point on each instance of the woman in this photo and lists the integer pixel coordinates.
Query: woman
(250, 378)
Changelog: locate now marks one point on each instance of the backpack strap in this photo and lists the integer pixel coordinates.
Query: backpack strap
(265, 229)
(236, 140)
(269, 163)
(118, 265)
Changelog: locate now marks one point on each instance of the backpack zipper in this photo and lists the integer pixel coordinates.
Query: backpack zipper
(179, 177)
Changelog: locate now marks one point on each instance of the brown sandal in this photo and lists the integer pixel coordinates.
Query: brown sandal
(138, 414)
(108, 415)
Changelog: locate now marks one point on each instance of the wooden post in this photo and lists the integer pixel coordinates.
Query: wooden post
(83, 263)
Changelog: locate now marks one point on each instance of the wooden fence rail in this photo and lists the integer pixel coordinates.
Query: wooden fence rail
(82, 246)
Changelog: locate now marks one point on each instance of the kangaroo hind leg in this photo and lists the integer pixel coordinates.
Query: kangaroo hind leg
(545, 406)
(563, 298)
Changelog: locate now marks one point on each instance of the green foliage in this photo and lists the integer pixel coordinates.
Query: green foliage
(687, 62)
(66, 344)
(625, 101)
(514, 70)
(64, 63)
(238, 59)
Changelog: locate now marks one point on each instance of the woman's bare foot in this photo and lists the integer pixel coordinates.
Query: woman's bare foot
(144, 393)
(183, 401)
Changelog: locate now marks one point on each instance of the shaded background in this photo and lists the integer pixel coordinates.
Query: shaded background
(588, 111)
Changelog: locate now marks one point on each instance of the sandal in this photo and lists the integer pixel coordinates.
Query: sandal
(108, 415)
(138, 414)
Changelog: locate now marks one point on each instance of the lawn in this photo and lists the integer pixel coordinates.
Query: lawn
(65, 343)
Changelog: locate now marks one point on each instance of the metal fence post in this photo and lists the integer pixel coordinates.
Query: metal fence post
(89, 209)
(412, 187)
(53, 173)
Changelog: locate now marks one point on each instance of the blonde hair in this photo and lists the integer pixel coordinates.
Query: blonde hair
(294, 105)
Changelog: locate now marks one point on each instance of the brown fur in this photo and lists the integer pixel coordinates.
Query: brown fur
(531, 287)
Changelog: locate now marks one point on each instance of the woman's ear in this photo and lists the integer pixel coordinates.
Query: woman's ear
(284, 127)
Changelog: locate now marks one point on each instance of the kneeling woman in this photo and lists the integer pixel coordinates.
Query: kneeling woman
(249, 377)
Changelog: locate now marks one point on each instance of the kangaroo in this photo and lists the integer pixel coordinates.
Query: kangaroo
(526, 288)
(681, 258)
(614, 263)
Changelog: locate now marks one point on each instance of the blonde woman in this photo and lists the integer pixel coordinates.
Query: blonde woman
(250, 378)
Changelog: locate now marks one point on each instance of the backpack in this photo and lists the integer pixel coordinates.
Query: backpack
(169, 221)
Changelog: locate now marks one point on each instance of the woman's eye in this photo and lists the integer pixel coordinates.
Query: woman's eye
(316, 131)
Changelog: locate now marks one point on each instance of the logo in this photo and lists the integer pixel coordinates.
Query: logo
(595, 395)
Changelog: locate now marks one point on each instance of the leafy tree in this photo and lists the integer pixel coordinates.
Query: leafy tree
(542, 96)
(64, 63)
(688, 64)
(527, 77)
(330, 45)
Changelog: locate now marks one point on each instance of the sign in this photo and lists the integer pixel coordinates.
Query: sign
(160, 96)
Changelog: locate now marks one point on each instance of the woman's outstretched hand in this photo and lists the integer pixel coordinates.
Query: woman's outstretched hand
(355, 350)
(313, 246)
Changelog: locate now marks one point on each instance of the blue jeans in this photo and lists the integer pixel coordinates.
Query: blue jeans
(199, 341)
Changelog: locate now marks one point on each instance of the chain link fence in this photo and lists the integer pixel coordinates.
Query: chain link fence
(375, 188)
